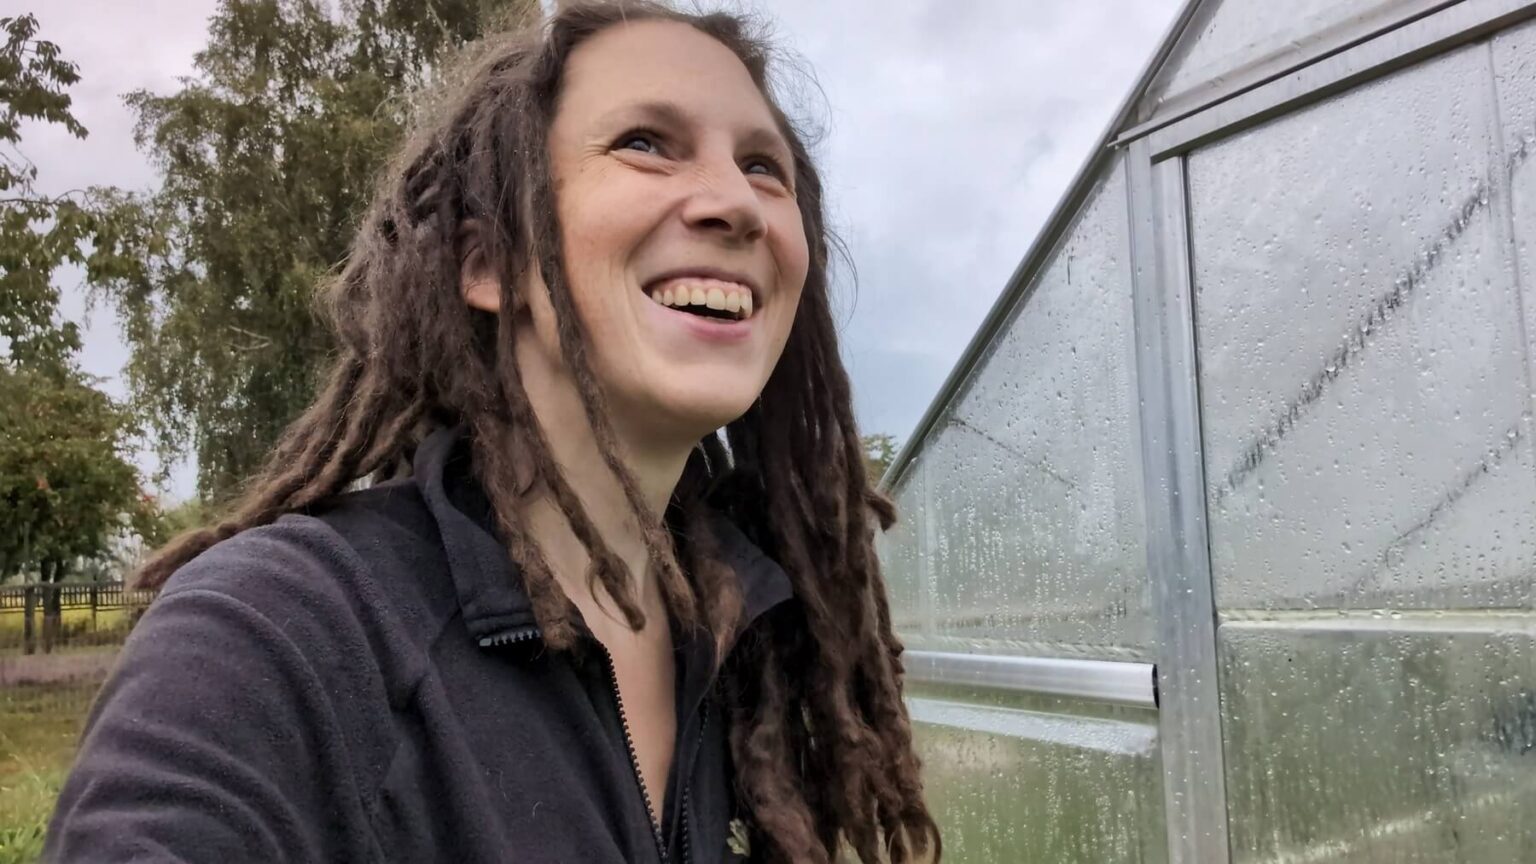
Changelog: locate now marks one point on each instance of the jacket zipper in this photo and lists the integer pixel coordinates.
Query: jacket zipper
(634, 760)
(510, 637)
(688, 787)
(524, 634)
(687, 841)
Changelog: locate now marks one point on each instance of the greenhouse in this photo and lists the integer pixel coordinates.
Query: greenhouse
(1218, 543)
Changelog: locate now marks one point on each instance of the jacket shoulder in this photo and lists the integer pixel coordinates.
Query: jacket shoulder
(366, 568)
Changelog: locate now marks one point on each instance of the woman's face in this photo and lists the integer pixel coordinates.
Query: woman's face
(684, 247)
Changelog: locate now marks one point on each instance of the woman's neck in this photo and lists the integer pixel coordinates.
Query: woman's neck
(576, 452)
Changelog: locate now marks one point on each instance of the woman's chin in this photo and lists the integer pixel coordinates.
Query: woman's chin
(696, 417)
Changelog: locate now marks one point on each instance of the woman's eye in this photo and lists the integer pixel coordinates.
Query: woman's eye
(640, 142)
(769, 166)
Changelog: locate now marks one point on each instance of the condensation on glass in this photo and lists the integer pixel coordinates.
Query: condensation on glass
(1514, 72)
(903, 558)
(1363, 354)
(1008, 783)
(1032, 531)
(1365, 381)
(1381, 740)
(1239, 35)
(1022, 531)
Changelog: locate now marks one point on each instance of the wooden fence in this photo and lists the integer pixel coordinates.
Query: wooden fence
(52, 616)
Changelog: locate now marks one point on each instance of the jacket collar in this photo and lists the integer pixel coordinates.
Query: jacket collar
(490, 589)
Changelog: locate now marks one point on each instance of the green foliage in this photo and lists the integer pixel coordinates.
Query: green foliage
(37, 233)
(33, 80)
(879, 452)
(39, 729)
(172, 521)
(67, 488)
(268, 157)
(22, 843)
(40, 233)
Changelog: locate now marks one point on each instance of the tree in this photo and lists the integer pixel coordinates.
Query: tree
(267, 158)
(68, 491)
(65, 481)
(879, 454)
(174, 520)
(40, 233)
(67, 487)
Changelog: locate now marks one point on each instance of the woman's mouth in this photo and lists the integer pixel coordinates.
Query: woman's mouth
(705, 297)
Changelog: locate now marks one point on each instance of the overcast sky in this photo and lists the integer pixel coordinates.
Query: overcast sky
(952, 128)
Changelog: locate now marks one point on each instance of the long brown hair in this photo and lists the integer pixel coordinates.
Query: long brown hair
(819, 733)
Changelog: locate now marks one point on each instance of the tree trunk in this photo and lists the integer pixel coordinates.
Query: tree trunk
(53, 612)
(28, 627)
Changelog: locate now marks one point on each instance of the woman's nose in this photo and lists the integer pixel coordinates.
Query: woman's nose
(723, 202)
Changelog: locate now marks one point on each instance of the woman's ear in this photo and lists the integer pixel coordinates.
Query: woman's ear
(478, 282)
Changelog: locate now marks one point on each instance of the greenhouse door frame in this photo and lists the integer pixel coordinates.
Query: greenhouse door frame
(1178, 543)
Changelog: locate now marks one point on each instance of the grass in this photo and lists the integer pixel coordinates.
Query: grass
(39, 727)
(109, 628)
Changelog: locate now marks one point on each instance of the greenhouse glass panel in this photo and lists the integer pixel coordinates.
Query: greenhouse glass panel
(1033, 497)
(1363, 377)
(1391, 739)
(1012, 784)
(1365, 398)
(902, 557)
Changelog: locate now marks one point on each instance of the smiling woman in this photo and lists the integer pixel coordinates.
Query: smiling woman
(611, 595)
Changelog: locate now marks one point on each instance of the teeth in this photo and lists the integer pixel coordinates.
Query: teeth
(736, 301)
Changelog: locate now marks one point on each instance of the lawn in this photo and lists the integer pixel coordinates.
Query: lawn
(39, 725)
(109, 628)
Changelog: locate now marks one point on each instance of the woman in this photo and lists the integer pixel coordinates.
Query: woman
(583, 627)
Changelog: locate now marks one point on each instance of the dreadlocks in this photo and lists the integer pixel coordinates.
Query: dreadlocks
(819, 733)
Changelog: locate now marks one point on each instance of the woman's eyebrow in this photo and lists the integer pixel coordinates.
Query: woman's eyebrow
(763, 138)
(666, 113)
